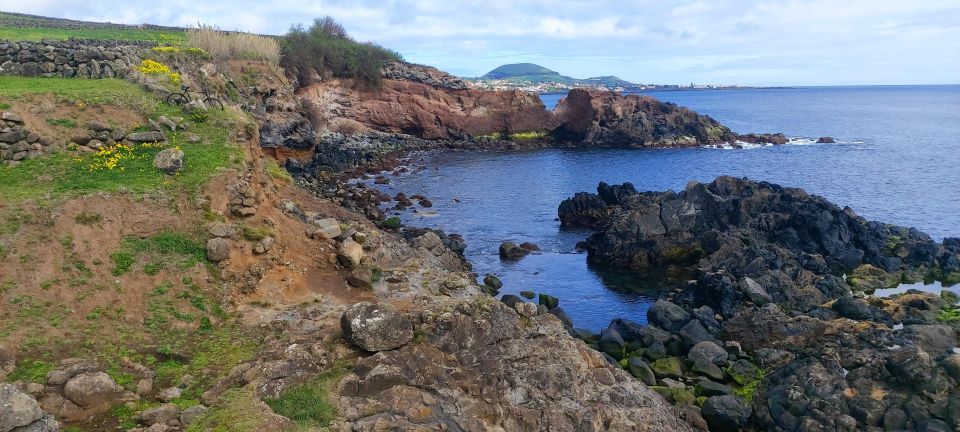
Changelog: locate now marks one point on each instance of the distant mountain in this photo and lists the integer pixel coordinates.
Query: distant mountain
(536, 74)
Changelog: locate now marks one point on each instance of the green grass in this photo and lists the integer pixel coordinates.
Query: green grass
(949, 315)
(309, 404)
(235, 411)
(184, 249)
(87, 218)
(255, 233)
(64, 175)
(150, 35)
(62, 122)
(32, 371)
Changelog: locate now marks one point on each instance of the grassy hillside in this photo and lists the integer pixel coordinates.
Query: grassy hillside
(22, 27)
(536, 74)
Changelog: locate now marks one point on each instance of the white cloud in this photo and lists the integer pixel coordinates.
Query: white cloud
(749, 41)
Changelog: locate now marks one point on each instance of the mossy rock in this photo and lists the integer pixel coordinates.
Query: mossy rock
(869, 278)
(669, 367)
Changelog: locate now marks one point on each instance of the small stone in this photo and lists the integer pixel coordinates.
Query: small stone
(18, 408)
(709, 388)
(361, 278)
(667, 315)
(150, 136)
(726, 413)
(188, 415)
(527, 294)
(493, 282)
(98, 127)
(640, 370)
(351, 253)
(91, 389)
(549, 301)
(709, 352)
(11, 117)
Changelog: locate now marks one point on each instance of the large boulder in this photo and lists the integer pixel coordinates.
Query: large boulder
(667, 315)
(92, 389)
(376, 327)
(709, 352)
(218, 249)
(510, 251)
(726, 413)
(169, 161)
(16, 408)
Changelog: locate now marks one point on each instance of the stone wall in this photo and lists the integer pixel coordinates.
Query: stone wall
(71, 58)
(17, 143)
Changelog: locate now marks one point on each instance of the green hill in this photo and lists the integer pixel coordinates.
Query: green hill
(533, 73)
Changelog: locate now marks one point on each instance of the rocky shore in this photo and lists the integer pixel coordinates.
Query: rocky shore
(769, 334)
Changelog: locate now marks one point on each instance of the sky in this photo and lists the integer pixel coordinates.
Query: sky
(757, 43)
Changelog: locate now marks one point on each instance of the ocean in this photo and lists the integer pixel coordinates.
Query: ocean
(896, 160)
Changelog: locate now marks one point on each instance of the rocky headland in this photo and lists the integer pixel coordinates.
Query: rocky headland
(768, 330)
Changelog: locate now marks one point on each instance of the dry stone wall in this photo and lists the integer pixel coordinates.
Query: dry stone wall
(74, 58)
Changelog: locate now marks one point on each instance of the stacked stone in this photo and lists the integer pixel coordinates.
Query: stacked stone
(71, 58)
(16, 142)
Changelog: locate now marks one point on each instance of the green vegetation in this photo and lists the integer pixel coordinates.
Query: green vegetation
(62, 122)
(164, 247)
(277, 172)
(4, 105)
(233, 45)
(32, 371)
(36, 34)
(309, 404)
(235, 411)
(129, 168)
(949, 315)
(391, 223)
(535, 74)
(255, 233)
(326, 47)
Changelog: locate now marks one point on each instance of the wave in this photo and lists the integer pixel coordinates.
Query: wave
(791, 141)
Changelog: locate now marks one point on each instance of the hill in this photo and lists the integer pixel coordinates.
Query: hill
(536, 74)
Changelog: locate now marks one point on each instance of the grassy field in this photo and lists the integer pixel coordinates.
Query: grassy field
(36, 34)
(70, 173)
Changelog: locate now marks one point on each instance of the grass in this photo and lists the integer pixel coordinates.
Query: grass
(235, 411)
(32, 371)
(37, 34)
(309, 404)
(277, 172)
(255, 233)
(67, 174)
(234, 45)
(949, 315)
(164, 246)
(62, 122)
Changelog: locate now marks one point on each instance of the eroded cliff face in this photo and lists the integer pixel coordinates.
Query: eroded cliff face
(424, 110)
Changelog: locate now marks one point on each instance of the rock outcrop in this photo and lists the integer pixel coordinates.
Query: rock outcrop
(604, 119)
(764, 329)
(755, 239)
(483, 367)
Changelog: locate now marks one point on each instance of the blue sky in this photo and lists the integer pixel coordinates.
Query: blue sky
(785, 42)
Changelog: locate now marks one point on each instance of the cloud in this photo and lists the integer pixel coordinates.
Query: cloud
(784, 42)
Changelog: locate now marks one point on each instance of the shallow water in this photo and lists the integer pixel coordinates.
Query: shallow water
(898, 164)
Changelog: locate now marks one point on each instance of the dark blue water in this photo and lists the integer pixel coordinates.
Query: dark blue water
(899, 163)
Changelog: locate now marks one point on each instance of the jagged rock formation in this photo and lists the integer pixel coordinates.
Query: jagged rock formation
(483, 367)
(806, 350)
(784, 240)
(422, 74)
(604, 119)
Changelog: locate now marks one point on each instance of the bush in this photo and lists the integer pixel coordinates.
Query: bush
(234, 45)
(325, 47)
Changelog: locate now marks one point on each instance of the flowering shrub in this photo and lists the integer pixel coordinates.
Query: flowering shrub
(180, 50)
(116, 157)
(151, 67)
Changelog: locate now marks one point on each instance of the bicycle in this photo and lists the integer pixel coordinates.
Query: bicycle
(184, 98)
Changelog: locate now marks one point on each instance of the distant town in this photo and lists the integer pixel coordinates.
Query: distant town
(559, 87)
